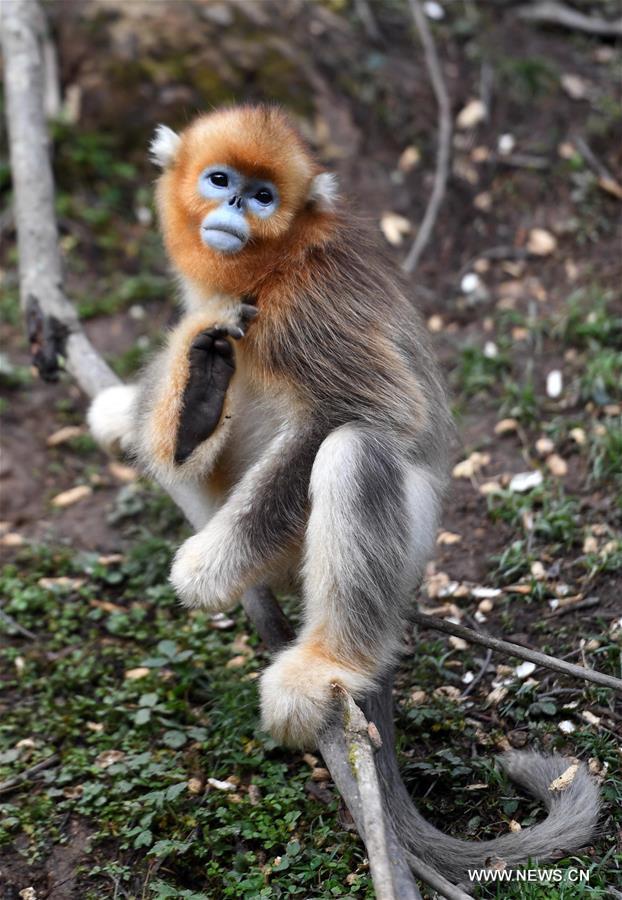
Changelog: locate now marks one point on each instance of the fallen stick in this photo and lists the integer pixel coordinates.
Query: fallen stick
(509, 649)
(443, 151)
(27, 774)
(557, 14)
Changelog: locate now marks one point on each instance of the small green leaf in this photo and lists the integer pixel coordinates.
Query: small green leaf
(174, 739)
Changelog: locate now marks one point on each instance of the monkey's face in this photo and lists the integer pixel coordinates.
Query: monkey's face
(241, 202)
(234, 185)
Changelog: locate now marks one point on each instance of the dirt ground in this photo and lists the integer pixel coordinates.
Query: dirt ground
(362, 101)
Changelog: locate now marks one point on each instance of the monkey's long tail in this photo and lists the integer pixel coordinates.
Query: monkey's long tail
(573, 811)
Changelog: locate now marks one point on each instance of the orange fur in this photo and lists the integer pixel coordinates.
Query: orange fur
(252, 139)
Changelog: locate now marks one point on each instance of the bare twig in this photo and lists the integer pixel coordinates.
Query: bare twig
(426, 873)
(361, 757)
(606, 181)
(27, 774)
(586, 603)
(557, 14)
(10, 621)
(509, 649)
(476, 680)
(368, 20)
(444, 139)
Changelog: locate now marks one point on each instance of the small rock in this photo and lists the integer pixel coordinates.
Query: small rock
(470, 283)
(525, 481)
(575, 86)
(195, 786)
(433, 10)
(108, 758)
(566, 726)
(578, 435)
(541, 242)
(556, 465)
(73, 495)
(457, 643)
(471, 115)
(135, 674)
(409, 159)
(64, 434)
(435, 323)
(563, 781)
(468, 467)
(394, 227)
(544, 446)
(123, 473)
(506, 426)
(506, 144)
(448, 538)
(221, 785)
(524, 670)
(554, 384)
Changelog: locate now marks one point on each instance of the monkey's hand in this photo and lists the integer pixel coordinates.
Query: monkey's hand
(211, 364)
(183, 407)
(297, 693)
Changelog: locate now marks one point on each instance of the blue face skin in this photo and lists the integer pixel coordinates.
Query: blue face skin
(226, 227)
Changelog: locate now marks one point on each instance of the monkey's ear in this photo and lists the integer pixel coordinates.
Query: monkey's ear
(323, 193)
(164, 146)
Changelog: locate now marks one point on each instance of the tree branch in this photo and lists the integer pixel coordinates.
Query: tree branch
(426, 228)
(509, 649)
(557, 14)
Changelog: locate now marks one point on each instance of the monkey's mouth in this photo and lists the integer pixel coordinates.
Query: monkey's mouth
(224, 239)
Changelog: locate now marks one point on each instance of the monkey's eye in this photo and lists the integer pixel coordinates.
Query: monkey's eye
(219, 179)
(264, 196)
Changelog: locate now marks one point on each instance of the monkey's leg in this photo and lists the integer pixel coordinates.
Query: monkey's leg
(260, 519)
(371, 530)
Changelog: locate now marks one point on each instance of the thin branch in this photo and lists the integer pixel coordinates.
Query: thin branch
(361, 757)
(441, 175)
(27, 774)
(476, 680)
(426, 873)
(11, 623)
(509, 649)
(557, 14)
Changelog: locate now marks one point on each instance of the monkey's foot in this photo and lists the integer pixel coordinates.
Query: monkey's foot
(297, 697)
(201, 573)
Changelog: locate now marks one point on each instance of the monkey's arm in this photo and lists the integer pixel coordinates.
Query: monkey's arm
(263, 515)
(175, 420)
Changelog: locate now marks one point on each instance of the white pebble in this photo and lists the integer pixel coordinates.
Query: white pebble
(524, 670)
(506, 144)
(566, 727)
(554, 384)
(470, 283)
(525, 481)
(434, 10)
